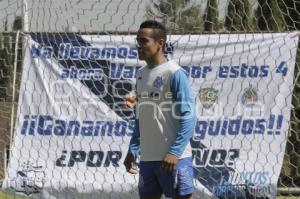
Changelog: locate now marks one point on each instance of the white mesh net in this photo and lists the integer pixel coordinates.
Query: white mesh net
(67, 79)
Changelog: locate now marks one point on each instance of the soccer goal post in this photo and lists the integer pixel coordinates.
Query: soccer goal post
(68, 94)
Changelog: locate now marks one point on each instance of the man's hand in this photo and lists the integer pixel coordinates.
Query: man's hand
(129, 163)
(169, 162)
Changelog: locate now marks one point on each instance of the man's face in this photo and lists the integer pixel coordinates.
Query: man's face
(147, 46)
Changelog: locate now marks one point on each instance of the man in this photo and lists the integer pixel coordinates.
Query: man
(165, 120)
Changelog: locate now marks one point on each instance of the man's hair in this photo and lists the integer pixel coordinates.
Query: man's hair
(159, 30)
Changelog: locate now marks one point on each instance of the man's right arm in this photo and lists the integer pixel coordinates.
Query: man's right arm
(134, 150)
(134, 145)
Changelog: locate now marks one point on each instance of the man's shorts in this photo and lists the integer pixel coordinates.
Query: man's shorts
(152, 181)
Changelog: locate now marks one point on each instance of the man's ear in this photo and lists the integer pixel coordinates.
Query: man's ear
(162, 44)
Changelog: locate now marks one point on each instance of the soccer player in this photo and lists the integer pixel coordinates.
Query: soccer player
(165, 120)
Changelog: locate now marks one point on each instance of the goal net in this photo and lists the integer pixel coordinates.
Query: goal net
(68, 95)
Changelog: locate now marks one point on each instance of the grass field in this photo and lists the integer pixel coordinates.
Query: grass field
(5, 196)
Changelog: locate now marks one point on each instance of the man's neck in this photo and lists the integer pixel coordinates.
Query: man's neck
(156, 60)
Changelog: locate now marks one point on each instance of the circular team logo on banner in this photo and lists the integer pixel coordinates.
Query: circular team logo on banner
(249, 96)
(169, 49)
(208, 97)
(30, 178)
(130, 99)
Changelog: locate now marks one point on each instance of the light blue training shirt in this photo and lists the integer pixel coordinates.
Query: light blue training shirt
(165, 113)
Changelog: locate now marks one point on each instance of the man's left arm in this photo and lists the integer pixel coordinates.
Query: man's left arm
(185, 111)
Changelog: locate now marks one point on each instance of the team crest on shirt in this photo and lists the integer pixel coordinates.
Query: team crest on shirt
(249, 96)
(158, 82)
(208, 97)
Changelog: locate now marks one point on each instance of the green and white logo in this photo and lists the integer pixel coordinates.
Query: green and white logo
(208, 97)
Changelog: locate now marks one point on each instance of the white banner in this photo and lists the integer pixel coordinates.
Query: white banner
(75, 113)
